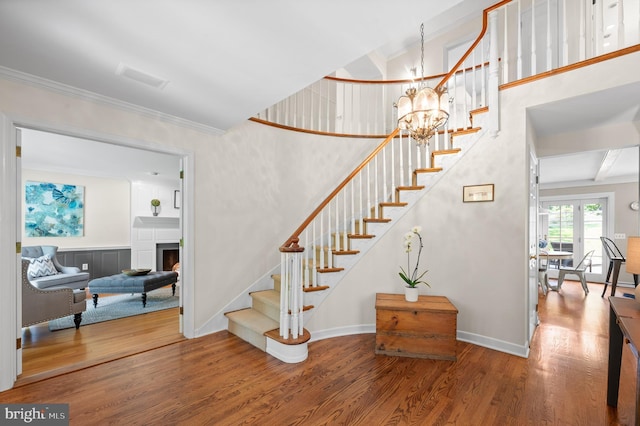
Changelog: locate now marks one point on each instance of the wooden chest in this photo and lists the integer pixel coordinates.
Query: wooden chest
(422, 329)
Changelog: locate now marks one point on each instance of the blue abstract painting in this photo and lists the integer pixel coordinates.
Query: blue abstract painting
(54, 210)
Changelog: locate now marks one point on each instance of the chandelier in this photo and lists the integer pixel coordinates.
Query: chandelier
(420, 111)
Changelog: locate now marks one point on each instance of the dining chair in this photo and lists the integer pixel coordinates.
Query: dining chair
(579, 270)
(615, 255)
(543, 276)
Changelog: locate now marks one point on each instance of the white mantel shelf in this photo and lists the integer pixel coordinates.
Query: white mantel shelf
(156, 222)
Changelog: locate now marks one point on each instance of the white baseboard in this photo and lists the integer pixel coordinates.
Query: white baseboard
(496, 344)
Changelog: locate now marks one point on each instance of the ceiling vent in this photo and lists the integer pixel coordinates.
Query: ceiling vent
(141, 76)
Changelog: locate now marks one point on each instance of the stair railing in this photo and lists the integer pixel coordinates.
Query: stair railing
(472, 83)
(532, 37)
(344, 213)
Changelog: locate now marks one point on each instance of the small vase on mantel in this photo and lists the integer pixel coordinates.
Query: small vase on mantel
(411, 294)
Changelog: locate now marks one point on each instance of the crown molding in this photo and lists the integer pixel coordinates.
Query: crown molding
(54, 86)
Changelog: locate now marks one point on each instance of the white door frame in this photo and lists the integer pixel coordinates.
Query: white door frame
(11, 331)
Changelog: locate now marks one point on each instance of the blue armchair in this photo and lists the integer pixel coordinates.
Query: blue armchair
(57, 275)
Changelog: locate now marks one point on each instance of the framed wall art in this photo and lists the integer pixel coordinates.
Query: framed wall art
(53, 210)
(476, 193)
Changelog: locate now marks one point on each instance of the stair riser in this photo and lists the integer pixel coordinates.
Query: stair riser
(267, 309)
(248, 335)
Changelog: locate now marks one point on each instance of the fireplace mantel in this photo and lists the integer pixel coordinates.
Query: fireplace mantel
(156, 222)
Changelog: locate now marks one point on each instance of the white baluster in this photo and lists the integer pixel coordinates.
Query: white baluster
(368, 189)
(483, 75)
(361, 212)
(353, 206)
(343, 232)
(549, 50)
(305, 260)
(621, 40)
(337, 225)
(599, 27)
(376, 198)
(385, 188)
(505, 49)
(534, 58)
(494, 116)
(312, 269)
(565, 34)
(474, 73)
(465, 102)
(583, 32)
(409, 166)
(321, 264)
(401, 163)
(519, 59)
(454, 126)
(329, 257)
(393, 161)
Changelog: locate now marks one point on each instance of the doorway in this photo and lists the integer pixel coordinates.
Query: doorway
(100, 153)
(575, 224)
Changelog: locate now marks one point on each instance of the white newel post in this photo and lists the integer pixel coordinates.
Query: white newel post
(493, 101)
(291, 292)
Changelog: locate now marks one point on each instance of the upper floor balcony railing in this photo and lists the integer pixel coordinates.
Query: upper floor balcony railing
(532, 37)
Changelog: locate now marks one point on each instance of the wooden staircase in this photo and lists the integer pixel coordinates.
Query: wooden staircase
(259, 324)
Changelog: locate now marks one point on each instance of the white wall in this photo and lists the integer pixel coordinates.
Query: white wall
(106, 211)
(434, 51)
(253, 186)
(477, 253)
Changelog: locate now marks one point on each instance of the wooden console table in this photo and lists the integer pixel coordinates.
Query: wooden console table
(624, 321)
(422, 329)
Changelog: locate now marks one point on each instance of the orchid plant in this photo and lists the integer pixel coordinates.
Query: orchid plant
(414, 279)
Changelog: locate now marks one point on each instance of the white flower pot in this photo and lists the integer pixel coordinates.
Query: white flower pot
(411, 294)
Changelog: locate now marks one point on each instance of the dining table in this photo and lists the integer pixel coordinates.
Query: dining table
(554, 255)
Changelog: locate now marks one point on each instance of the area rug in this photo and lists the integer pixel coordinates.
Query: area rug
(120, 306)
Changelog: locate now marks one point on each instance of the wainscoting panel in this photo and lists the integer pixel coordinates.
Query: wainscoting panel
(101, 262)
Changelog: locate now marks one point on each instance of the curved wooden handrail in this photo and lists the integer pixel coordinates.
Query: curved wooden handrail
(485, 21)
(314, 132)
(431, 77)
(292, 241)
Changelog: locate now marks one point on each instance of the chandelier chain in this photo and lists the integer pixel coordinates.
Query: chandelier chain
(422, 53)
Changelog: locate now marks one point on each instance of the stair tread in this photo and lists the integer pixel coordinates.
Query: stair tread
(429, 170)
(410, 188)
(270, 295)
(392, 204)
(376, 220)
(252, 319)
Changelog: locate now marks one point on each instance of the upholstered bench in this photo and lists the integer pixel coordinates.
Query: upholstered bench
(122, 283)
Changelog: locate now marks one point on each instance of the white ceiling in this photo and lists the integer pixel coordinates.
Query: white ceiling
(224, 61)
(602, 108)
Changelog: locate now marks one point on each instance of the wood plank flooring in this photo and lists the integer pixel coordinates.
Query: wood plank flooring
(221, 380)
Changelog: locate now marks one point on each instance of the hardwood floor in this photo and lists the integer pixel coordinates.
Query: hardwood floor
(221, 380)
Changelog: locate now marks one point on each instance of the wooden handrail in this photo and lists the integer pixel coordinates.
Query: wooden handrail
(292, 242)
(485, 21)
(293, 239)
(431, 77)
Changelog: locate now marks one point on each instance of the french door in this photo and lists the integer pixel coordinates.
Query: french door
(576, 225)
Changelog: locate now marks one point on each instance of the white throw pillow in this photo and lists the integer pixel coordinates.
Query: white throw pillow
(41, 267)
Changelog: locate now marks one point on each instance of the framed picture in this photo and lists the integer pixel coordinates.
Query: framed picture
(176, 199)
(53, 210)
(475, 193)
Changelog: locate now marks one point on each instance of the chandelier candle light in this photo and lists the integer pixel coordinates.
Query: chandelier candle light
(420, 110)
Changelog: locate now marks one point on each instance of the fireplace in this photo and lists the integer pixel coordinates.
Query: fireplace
(167, 255)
